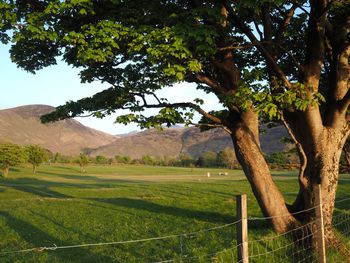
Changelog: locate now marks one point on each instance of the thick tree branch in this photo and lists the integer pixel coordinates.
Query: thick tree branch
(156, 97)
(327, 8)
(258, 30)
(229, 75)
(254, 44)
(269, 58)
(210, 125)
(300, 6)
(202, 78)
(283, 25)
(315, 47)
(267, 24)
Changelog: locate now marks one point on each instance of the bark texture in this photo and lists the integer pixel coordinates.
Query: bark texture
(246, 143)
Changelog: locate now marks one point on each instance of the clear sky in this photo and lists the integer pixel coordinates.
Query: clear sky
(57, 84)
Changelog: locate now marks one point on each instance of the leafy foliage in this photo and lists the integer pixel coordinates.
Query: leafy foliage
(139, 50)
(136, 54)
(83, 160)
(100, 159)
(227, 158)
(36, 155)
(11, 155)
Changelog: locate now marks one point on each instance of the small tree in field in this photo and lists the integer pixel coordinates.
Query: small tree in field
(100, 159)
(226, 158)
(11, 155)
(36, 156)
(83, 161)
(207, 159)
(122, 159)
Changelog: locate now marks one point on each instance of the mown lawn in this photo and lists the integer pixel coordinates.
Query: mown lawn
(62, 206)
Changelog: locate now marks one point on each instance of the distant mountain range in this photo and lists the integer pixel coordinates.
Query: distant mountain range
(21, 125)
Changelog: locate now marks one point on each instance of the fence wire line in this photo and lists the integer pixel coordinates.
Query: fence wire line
(271, 249)
(295, 213)
(283, 234)
(342, 200)
(256, 252)
(55, 247)
(283, 215)
(266, 251)
(265, 248)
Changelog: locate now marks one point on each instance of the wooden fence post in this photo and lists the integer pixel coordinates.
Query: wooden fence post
(242, 229)
(321, 247)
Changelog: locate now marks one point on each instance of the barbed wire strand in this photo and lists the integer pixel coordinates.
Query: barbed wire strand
(283, 215)
(55, 247)
(342, 200)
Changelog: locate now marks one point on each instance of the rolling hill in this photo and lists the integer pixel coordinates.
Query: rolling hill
(21, 125)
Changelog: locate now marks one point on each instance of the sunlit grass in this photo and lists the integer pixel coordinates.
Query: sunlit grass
(62, 206)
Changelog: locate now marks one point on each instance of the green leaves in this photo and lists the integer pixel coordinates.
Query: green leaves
(36, 155)
(138, 49)
(11, 155)
(7, 19)
(167, 116)
(269, 102)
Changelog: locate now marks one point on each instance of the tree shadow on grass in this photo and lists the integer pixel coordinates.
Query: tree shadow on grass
(42, 187)
(69, 168)
(59, 224)
(12, 169)
(35, 237)
(33, 186)
(97, 180)
(213, 217)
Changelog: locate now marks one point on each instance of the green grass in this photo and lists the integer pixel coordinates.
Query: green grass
(62, 206)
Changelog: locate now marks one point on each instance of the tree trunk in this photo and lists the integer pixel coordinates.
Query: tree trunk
(34, 168)
(5, 171)
(322, 168)
(247, 147)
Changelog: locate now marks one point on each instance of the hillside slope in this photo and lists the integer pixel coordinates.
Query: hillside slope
(176, 141)
(21, 125)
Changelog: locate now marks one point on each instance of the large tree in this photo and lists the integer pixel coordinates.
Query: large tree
(286, 60)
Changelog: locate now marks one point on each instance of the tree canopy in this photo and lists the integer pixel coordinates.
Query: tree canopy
(138, 50)
(36, 155)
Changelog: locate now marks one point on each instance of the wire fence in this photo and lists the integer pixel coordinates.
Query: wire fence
(219, 245)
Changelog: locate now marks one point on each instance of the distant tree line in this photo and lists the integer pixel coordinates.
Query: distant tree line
(222, 159)
(225, 158)
(13, 155)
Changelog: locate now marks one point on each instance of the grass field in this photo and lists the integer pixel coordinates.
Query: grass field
(62, 206)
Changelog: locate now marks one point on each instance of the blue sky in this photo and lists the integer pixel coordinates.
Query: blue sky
(57, 84)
